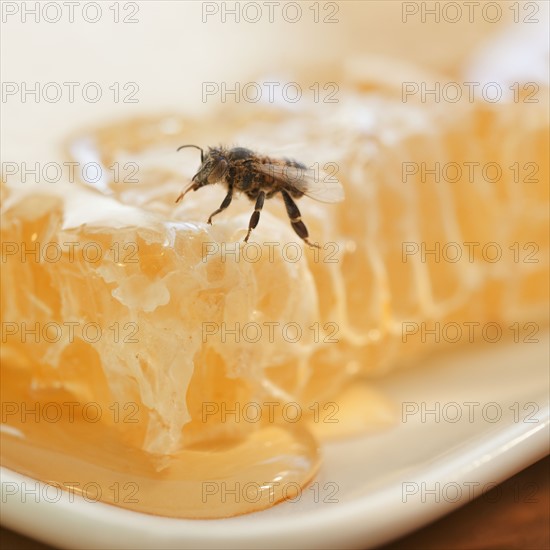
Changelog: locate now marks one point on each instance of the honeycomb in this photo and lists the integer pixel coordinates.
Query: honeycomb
(194, 322)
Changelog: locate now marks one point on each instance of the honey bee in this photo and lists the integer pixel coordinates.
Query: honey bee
(260, 178)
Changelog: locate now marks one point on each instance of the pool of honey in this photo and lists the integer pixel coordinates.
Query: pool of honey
(79, 447)
(46, 438)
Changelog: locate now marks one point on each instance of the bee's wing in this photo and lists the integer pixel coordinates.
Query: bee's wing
(313, 182)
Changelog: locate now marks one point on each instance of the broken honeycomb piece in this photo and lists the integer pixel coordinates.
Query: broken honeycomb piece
(188, 289)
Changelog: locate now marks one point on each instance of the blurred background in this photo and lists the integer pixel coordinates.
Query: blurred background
(167, 50)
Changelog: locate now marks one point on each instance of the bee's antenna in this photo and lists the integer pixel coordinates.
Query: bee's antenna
(196, 147)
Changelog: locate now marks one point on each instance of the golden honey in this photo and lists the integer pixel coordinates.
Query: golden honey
(217, 369)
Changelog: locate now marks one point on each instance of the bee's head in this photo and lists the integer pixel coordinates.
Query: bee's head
(213, 166)
(212, 169)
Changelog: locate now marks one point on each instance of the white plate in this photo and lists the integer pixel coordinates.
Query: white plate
(375, 475)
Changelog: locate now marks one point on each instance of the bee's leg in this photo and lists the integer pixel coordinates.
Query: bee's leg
(255, 218)
(296, 219)
(226, 202)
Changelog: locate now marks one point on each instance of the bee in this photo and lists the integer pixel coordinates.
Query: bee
(260, 178)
